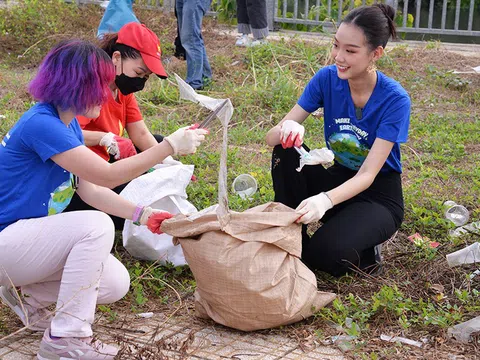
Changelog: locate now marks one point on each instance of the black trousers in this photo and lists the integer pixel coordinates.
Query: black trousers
(179, 49)
(350, 230)
(253, 12)
(77, 204)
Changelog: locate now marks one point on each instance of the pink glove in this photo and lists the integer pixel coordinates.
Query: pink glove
(153, 219)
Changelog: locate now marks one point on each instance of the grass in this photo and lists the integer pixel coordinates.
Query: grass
(418, 296)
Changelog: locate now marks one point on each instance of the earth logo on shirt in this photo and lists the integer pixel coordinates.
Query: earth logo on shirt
(348, 150)
(61, 197)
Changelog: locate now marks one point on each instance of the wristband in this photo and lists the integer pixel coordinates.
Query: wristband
(137, 214)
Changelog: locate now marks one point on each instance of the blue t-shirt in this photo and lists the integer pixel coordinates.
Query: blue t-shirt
(386, 115)
(31, 184)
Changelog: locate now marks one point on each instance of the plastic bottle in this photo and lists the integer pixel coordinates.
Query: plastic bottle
(457, 214)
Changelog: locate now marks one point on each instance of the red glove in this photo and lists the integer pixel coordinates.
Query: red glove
(118, 146)
(153, 219)
(125, 147)
(291, 134)
(154, 222)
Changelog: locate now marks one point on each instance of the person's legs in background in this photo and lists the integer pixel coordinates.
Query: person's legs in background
(243, 26)
(190, 16)
(257, 13)
(252, 18)
(179, 50)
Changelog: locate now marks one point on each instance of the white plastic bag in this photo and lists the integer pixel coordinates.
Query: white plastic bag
(463, 332)
(162, 189)
(468, 255)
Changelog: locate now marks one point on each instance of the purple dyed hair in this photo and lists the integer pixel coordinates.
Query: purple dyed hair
(75, 76)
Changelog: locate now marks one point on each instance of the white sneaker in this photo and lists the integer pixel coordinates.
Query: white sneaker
(74, 348)
(243, 41)
(258, 42)
(39, 319)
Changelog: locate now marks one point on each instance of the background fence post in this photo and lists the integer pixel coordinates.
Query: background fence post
(271, 14)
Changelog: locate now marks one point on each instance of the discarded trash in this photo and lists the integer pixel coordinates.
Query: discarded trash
(244, 185)
(475, 70)
(437, 288)
(401, 340)
(475, 273)
(473, 227)
(145, 315)
(420, 241)
(468, 255)
(314, 157)
(350, 324)
(462, 332)
(457, 214)
(344, 342)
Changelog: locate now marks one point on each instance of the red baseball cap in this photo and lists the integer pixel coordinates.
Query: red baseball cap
(141, 38)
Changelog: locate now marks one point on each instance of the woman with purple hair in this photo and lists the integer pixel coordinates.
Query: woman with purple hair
(65, 257)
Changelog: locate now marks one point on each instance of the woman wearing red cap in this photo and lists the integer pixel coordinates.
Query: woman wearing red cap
(135, 52)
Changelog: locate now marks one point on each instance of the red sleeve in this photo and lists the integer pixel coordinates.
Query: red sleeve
(132, 111)
(83, 121)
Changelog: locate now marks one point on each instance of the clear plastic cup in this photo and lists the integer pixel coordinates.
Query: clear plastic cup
(244, 185)
(458, 214)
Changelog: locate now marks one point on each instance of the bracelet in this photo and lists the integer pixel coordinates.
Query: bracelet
(137, 214)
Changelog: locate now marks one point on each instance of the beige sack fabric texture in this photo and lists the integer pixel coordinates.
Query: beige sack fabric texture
(247, 265)
(249, 275)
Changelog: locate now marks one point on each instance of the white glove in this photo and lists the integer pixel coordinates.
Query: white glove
(291, 134)
(110, 143)
(185, 140)
(171, 161)
(313, 208)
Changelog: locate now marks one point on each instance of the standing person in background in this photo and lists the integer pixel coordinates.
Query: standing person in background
(117, 14)
(252, 18)
(190, 16)
(179, 49)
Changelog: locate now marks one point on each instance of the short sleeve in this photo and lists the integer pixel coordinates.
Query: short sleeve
(83, 121)
(132, 111)
(313, 96)
(48, 136)
(395, 121)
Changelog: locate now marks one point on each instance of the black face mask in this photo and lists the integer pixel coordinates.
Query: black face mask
(128, 85)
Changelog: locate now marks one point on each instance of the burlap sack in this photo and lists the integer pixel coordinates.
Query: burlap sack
(247, 265)
(249, 276)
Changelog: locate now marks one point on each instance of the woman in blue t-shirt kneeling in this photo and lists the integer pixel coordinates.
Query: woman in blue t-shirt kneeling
(65, 257)
(366, 117)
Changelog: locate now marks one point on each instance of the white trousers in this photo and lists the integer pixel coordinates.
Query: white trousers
(66, 259)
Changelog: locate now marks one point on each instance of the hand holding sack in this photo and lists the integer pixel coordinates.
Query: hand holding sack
(152, 218)
(313, 208)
